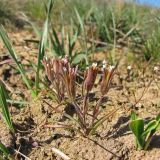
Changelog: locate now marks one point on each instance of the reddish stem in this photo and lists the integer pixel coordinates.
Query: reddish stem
(96, 109)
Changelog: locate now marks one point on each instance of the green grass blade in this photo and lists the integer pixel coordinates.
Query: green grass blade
(43, 43)
(17, 104)
(35, 29)
(14, 56)
(101, 121)
(4, 150)
(41, 53)
(80, 19)
(4, 107)
(72, 42)
(82, 29)
(57, 45)
(151, 127)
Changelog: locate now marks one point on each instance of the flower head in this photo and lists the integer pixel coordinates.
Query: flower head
(111, 68)
(90, 77)
(48, 68)
(55, 70)
(107, 76)
(94, 65)
(104, 62)
(71, 81)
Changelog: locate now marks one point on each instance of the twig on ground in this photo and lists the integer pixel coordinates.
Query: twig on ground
(27, 158)
(60, 153)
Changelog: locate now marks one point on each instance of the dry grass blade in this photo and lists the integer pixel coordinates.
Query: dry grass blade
(27, 158)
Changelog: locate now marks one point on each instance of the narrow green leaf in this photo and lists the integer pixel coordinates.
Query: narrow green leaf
(14, 56)
(150, 127)
(101, 121)
(79, 57)
(58, 47)
(158, 127)
(4, 107)
(80, 19)
(72, 42)
(4, 150)
(43, 43)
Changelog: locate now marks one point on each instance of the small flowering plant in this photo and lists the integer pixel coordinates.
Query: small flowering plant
(63, 75)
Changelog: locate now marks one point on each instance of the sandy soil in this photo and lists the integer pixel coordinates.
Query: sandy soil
(36, 135)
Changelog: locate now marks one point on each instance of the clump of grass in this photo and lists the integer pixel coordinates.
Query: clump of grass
(152, 46)
(114, 24)
(59, 48)
(62, 76)
(34, 8)
(110, 23)
(65, 44)
(5, 11)
(42, 46)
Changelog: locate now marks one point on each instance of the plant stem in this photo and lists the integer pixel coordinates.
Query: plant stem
(85, 107)
(96, 109)
(80, 114)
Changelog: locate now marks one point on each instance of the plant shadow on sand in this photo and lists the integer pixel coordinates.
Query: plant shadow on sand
(107, 150)
(121, 128)
(23, 140)
(155, 142)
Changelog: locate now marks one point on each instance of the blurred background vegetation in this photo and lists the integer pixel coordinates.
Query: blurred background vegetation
(112, 22)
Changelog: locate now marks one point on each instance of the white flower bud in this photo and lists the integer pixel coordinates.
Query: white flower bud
(104, 66)
(111, 68)
(104, 62)
(64, 69)
(94, 65)
(155, 68)
(129, 67)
